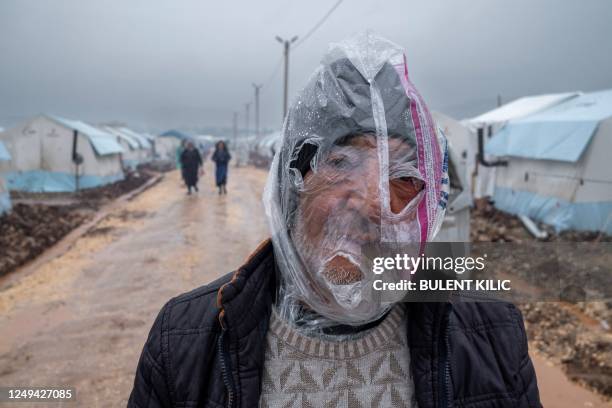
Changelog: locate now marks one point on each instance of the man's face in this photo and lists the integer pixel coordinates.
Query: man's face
(341, 208)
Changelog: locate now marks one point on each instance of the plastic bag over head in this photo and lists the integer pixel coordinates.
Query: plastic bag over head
(361, 162)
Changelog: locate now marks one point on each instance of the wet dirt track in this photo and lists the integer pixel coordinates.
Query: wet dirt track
(80, 320)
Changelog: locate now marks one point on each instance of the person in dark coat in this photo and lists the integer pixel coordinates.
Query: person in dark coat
(360, 163)
(221, 157)
(191, 166)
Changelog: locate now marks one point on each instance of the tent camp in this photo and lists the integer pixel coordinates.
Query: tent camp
(130, 158)
(45, 150)
(461, 141)
(146, 147)
(558, 164)
(166, 147)
(138, 149)
(492, 121)
(5, 198)
(262, 151)
(456, 226)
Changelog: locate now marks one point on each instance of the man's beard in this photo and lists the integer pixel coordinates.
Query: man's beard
(336, 272)
(336, 278)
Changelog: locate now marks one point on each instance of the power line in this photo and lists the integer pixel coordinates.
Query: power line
(316, 26)
(278, 64)
(308, 34)
(274, 72)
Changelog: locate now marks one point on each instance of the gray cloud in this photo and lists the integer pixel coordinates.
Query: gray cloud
(157, 64)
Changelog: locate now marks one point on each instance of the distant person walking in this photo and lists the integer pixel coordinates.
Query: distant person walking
(178, 154)
(221, 157)
(191, 164)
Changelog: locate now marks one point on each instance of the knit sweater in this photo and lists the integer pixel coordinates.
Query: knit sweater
(372, 370)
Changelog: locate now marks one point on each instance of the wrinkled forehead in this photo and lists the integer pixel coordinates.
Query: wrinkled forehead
(357, 145)
(368, 140)
(398, 147)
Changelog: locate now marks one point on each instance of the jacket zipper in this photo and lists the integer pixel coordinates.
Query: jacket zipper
(444, 396)
(225, 372)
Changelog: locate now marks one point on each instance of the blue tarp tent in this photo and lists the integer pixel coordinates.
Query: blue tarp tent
(558, 168)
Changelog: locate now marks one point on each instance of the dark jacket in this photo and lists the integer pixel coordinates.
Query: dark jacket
(191, 160)
(206, 348)
(221, 157)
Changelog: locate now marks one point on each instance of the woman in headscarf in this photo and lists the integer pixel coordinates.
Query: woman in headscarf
(221, 157)
(191, 163)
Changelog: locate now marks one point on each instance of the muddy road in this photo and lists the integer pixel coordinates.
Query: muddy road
(80, 319)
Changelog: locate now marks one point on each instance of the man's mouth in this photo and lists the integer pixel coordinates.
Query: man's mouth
(340, 270)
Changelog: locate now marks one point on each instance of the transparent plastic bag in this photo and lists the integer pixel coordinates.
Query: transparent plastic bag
(361, 162)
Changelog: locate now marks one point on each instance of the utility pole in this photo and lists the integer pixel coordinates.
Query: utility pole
(499, 100)
(257, 88)
(247, 107)
(286, 47)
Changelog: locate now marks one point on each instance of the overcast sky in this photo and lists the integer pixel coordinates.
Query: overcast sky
(157, 64)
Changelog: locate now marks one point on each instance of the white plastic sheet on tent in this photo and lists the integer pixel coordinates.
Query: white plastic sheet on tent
(100, 140)
(495, 119)
(558, 168)
(131, 156)
(42, 151)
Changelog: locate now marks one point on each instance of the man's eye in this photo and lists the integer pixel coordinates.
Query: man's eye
(338, 161)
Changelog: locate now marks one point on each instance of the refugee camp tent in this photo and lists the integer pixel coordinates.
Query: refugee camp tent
(146, 147)
(462, 142)
(168, 144)
(5, 198)
(45, 150)
(492, 121)
(130, 158)
(175, 133)
(165, 148)
(456, 226)
(262, 150)
(558, 164)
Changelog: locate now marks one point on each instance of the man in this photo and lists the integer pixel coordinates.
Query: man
(191, 164)
(298, 325)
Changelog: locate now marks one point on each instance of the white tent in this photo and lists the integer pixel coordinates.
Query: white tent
(462, 143)
(456, 226)
(5, 197)
(558, 164)
(166, 147)
(146, 147)
(131, 156)
(492, 121)
(43, 150)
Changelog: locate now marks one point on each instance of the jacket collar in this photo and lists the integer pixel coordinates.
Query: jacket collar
(247, 298)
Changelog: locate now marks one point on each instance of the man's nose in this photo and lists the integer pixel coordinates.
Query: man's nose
(365, 191)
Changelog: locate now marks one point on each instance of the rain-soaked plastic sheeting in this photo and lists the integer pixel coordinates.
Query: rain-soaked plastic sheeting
(102, 142)
(559, 133)
(361, 162)
(40, 181)
(142, 141)
(561, 214)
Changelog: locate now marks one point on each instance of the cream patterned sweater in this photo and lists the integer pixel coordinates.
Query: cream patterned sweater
(370, 371)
